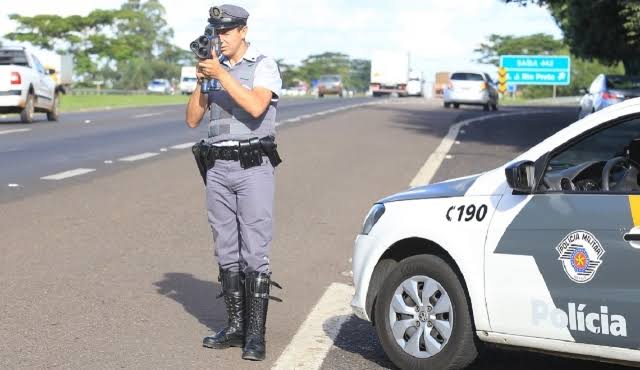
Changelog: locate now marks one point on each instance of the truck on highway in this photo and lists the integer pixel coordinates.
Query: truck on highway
(188, 80)
(60, 68)
(26, 87)
(389, 73)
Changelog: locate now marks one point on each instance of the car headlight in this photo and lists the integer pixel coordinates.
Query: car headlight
(372, 218)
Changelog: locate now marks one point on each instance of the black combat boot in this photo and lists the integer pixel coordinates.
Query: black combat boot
(257, 289)
(233, 293)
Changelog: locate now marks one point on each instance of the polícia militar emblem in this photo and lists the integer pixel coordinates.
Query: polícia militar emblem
(581, 255)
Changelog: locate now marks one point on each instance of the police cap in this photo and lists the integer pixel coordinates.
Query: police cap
(227, 16)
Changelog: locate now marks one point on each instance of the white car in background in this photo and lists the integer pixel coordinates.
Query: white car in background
(541, 253)
(25, 86)
(471, 88)
(160, 86)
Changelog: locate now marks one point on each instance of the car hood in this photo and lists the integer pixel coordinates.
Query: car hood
(451, 188)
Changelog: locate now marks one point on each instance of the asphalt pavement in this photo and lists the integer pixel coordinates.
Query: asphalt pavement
(115, 268)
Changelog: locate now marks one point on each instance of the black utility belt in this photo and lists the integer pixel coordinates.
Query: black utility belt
(248, 152)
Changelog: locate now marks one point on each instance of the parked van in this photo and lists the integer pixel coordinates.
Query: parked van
(187, 80)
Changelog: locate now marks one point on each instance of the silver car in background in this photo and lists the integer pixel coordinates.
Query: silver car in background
(606, 90)
(471, 88)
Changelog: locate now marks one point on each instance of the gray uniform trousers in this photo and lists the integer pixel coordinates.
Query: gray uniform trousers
(240, 210)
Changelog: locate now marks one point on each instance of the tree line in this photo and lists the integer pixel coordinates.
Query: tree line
(131, 45)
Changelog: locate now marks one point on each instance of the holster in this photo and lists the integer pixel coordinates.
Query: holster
(202, 153)
(270, 148)
(250, 153)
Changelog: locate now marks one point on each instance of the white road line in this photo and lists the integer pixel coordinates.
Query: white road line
(67, 174)
(182, 146)
(13, 185)
(434, 161)
(316, 335)
(148, 115)
(138, 157)
(4, 132)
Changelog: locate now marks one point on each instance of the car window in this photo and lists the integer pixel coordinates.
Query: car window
(595, 85)
(601, 146)
(38, 65)
(461, 76)
(13, 57)
(623, 82)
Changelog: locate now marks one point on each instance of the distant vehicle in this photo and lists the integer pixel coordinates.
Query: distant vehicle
(25, 85)
(60, 68)
(471, 88)
(330, 85)
(442, 80)
(160, 86)
(415, 86)
(188, 80)
(389, 73)
(606, 90)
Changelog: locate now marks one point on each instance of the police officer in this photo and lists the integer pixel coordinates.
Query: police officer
(240, 191)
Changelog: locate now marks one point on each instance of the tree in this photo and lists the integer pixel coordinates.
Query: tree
(360, 76)
(497, 45)
(129, 45)
(607, 30)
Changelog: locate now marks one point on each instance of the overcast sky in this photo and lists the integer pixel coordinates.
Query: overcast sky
(440, 35)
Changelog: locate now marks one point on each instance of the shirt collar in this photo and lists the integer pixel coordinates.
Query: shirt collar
(251, 54)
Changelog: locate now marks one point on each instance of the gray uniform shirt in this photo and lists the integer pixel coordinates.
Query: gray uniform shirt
(229, 121)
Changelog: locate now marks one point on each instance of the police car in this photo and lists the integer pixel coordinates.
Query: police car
(541, 253)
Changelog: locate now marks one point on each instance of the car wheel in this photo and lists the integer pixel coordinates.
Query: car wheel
(494, 107)
(447, 105)
(26, 116)
(54, 114)
(456, 105)
(485, 107)
(423, 317)
(320, 95)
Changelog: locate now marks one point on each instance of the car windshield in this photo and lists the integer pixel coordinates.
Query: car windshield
(158, 82)
(13, 57)
(189, 79)
(623, 82)
(467, 77)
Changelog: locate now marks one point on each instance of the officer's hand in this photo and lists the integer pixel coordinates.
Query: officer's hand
(210, 68)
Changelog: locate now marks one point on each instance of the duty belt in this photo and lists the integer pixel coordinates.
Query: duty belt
(248, 152)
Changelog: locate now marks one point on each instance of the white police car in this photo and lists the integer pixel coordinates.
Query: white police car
(541, 253)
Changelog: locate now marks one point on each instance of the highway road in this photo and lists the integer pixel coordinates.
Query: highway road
(114, 268)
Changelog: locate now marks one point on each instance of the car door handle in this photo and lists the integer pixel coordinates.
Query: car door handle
(632, 237)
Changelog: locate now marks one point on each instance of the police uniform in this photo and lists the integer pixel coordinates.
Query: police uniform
(240, 197)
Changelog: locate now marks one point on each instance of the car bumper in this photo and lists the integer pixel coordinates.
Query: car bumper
(11, 103)
(464, 97)
(361, 277)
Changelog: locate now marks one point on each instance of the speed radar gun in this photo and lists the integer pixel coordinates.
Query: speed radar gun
(203, 45)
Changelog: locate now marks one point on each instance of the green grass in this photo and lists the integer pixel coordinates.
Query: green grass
(70, 103)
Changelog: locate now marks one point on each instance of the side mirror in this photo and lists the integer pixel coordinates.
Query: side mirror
(582, 91)
(51, 71)
(521, 176)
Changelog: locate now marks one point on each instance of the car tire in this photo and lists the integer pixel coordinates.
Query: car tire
(494, 107)
(456, 105)
(26, 115)
(320, 95)
(485, 107)
(54, 114)
(447, 105)
(453, 352)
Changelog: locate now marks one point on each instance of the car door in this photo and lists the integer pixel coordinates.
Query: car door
(42, 85)
(564, 262)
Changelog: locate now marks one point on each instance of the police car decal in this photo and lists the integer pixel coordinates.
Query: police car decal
(581, 255)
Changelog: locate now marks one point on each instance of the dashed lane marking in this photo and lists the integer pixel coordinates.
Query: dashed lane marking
(138, 157)
(182, 146)
(67, 174)
(316, 335)
(4, 132)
